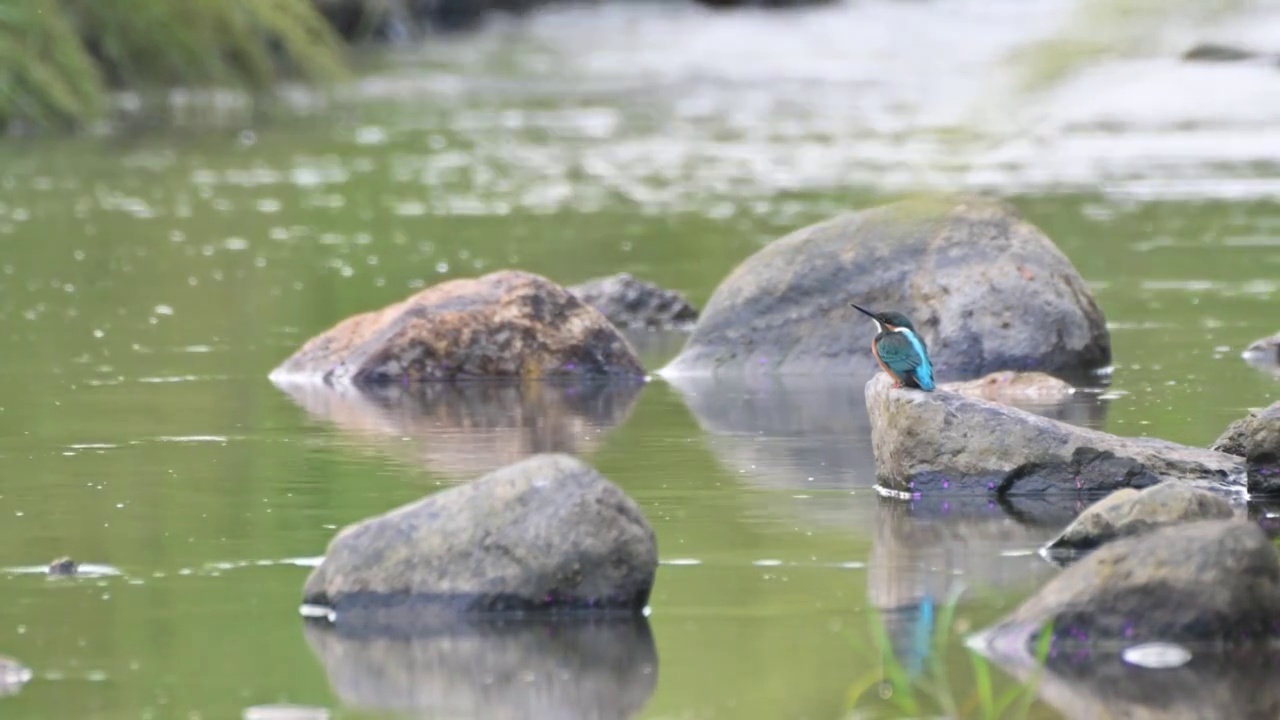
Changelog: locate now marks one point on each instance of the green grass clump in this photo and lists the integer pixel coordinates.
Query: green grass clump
(60, 58)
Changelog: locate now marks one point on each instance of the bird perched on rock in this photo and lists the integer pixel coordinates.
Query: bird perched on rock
(900, 351)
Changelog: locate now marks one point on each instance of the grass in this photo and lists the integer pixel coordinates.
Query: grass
(59, 59)
(924, 686)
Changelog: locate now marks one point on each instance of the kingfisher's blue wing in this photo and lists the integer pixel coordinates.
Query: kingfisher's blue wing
(898, 352)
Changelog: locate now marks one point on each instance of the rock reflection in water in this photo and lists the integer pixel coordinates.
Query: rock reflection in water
(533, 669)
(1216, 683)
(922, 555)
(469, 428)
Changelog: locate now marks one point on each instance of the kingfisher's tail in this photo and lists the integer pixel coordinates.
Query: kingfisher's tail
(924, 375)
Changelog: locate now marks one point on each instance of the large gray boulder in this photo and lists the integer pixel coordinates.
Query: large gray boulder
(1208, 581)
(944, 442)
(1256, 438)
(632, 303)
(987, 290)
(506, 324)
(547, 533)
(1127, 512)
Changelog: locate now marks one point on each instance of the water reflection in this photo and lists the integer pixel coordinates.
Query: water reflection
(1215, 684)
(467, 429)
(923, 556)
(483, 668)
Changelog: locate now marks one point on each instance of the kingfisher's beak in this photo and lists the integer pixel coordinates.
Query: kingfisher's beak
(864, 311)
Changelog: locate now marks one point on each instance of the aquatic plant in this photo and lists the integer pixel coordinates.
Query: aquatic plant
(919, 682)
(60, 58)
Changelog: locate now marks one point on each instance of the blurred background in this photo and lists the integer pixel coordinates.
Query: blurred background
(191, 188)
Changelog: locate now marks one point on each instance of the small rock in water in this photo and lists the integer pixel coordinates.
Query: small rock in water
(1008, 385)
(1265, 351)
(285, 711)
(628, 302)
(63, 567)
(1157, 655)
(1256, 438)
(13, 675)
(1131, 512)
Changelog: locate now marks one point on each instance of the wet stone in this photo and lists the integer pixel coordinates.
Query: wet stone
(941, 441)
(63, 567)
(1011, 386)
(507, 324)
(986, 290)
(632, 303)
(1256, 438)
(1129, 512)
(1208, 581)
(545, 534)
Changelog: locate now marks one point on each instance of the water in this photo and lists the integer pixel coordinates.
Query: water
(149, 283)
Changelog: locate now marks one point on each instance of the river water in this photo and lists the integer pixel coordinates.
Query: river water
(149, 281)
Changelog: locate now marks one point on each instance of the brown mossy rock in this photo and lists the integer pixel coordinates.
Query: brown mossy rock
(547, 533)
(1207, 581)
(507, 324)
(1256, 438)
(1012, 386)
(945, 442)
(987, 290)
(632, 303)
(1127, 512)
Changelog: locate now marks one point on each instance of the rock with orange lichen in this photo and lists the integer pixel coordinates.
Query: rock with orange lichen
(507, 324)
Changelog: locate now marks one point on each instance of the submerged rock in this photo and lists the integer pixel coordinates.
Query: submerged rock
(63, 567)
(1207, 581)
(1217, 52)
(1264, 352)
(941, 441)
(484, 667)
(987, 290)
(547, 533)
(1256, 438)
(632, 303)
(1009, 386)
(1128, 512)
(507, 324)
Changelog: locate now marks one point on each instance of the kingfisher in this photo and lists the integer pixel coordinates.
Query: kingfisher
(900, 351)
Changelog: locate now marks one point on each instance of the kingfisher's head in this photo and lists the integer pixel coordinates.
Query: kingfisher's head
(887, 320)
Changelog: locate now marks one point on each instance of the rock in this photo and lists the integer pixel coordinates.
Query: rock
(1007, 385)
(632, 303)
(1215, 52)
(63, 567)
(1256, 438)
(1207, 581)
(1097, 685)
(484, 667)
(1263, 352)
(987, 290)
(944, 442)
(1128, 512)
(547, 533)
(507, 324)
